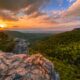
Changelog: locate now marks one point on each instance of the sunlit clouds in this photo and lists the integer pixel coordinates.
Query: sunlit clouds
(37, 14)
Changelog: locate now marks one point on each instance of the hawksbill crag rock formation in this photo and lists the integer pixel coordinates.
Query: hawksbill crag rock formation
(24, 67)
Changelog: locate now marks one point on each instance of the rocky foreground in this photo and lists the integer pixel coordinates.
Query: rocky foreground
(24, 67)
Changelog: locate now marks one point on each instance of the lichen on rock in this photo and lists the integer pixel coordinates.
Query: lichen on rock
(24, 67)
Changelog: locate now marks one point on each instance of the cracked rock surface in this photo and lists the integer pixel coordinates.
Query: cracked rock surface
(24, 67)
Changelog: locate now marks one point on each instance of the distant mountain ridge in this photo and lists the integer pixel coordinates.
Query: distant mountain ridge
(29, 36)
(76, 29)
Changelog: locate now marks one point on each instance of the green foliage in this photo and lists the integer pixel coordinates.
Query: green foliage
(6, 43)
(64, 50)
(31, 37)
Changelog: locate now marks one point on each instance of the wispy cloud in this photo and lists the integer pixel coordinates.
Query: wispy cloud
(74, 9)
(34, 16)
(27, 6)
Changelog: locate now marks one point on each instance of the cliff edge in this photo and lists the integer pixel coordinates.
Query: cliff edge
(24, 67)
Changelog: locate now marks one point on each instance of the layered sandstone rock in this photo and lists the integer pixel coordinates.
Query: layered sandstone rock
(24, 67)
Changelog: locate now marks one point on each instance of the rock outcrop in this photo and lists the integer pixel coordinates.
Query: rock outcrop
(21, 46)
(24, 67)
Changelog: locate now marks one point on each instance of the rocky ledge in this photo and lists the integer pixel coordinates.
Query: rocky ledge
(24, 67)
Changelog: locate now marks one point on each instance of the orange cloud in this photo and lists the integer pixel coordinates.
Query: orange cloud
(73, 10)
(39, 20)
(28, 22)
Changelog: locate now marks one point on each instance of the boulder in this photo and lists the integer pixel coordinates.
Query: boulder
(24, 67)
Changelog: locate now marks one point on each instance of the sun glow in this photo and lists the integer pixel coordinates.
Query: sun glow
(3, 25)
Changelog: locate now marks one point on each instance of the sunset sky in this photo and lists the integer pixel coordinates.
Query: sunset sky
(39, 14)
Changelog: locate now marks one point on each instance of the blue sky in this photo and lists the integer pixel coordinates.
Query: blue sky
(59, 4)
(55, 5)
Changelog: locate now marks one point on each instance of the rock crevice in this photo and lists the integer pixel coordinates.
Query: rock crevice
(24, 67)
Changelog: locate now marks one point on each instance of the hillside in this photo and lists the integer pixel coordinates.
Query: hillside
(64, 50)
(7, 38)
(6, 42)
(31, 37)
(23, 66)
